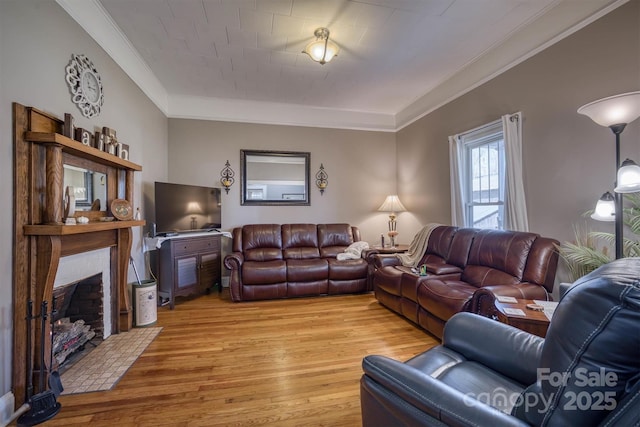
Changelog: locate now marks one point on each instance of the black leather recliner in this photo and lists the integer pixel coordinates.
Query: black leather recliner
(585, 373)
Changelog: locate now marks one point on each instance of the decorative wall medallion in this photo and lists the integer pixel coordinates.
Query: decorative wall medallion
(85, 85)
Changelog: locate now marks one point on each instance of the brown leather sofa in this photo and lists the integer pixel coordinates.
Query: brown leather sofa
(292, 260)
(459, 262)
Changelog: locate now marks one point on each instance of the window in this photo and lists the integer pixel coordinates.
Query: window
(487, 189)
(484, 176)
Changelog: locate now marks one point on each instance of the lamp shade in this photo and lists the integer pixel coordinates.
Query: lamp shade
(322, 49)
(613, 110)
(628, 177)
(605, 208)
(392, 204)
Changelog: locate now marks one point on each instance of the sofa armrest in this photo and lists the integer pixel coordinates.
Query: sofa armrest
(524, 290)
(503, 348)
(234, 261)
(390, 380)
(384, 260)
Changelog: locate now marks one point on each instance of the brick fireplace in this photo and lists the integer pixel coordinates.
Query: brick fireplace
(87, 276)
(82, 300)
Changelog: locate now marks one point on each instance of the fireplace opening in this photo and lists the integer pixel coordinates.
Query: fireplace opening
(79, 321)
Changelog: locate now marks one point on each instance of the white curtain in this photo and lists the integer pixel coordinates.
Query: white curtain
(456, 171)
(515, 210)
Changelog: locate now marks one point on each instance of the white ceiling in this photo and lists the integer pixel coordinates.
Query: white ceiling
(241, 60)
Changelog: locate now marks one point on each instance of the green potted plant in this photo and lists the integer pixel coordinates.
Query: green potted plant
(590, 249)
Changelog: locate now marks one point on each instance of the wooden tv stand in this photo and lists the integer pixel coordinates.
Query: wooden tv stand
(189, 264)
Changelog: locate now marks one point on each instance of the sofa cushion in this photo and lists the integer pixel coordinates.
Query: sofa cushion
(479, 276)
(439, 242)
(300, 241)
(307, 270)
(542, 263)
(460, 246)
(444, 298)
(334, 239)
(264, 272)
(348, 269)
(506, 251)
(262, 242)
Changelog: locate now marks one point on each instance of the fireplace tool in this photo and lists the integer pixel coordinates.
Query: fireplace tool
(55, 382)
(43, 406)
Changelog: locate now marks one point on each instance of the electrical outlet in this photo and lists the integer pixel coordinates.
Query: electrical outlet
(7, 403)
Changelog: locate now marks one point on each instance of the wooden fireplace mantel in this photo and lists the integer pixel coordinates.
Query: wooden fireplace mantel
(41, 238)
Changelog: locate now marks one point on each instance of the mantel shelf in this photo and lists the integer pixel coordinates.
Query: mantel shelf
(77, 148)
(63, 230)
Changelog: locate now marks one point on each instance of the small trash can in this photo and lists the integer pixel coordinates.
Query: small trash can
(144, 300)
(144, 296)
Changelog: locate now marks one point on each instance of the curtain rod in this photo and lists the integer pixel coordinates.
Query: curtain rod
(512, 117)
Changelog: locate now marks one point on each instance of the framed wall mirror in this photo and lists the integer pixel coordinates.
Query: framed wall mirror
(275, 178)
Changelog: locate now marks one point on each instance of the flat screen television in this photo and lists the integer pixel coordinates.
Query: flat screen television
(185, 208)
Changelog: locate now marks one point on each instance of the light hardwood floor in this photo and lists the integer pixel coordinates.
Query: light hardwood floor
(293, 362)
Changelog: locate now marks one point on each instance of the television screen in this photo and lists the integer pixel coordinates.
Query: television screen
(181, 208)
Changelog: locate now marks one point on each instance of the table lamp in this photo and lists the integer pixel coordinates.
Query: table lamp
(392, 205)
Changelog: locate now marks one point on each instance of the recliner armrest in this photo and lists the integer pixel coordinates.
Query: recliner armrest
(523, 290)
(383, 260)
(441, 268)
(429, 395)
(234, 260)
(503, 348)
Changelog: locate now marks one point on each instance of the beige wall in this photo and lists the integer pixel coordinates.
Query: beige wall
(37, 39)
(360, 165)
(569, 161)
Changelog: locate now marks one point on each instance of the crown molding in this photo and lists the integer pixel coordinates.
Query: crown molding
(538, 34)
(96, 21)
(556, 23)
(233, 110)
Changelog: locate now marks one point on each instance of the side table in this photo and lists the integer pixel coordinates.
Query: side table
(534, 322)
(397, 249)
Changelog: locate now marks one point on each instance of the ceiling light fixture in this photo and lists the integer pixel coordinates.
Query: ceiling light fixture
(321, 50)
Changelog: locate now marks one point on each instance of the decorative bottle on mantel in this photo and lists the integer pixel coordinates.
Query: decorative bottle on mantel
(69, 205)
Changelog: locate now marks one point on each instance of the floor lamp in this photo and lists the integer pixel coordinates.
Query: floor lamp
(616, 112)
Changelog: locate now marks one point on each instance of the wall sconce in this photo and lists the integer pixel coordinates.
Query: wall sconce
(616, 112)
(321, 179)
(226, 177)
(392, 204)
(321, 49)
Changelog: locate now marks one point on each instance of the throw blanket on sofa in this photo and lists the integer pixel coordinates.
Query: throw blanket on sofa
(354, 251)
(418, 246)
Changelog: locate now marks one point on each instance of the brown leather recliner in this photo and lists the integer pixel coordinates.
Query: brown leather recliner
(396, 286)
(280, 261)
(511, 263)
